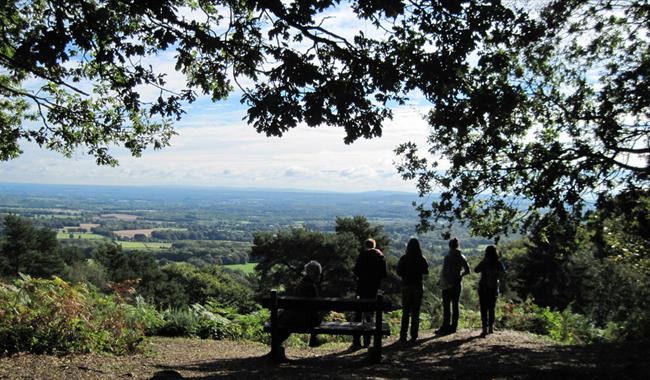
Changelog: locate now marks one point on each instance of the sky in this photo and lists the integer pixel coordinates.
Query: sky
(216, 148)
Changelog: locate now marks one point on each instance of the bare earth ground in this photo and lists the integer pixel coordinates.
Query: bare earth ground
(506, 354)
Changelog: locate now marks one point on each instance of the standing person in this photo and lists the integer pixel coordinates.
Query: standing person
(491, 270)
(369, 268)
(453, 269)
(411, 267)
(307, 287)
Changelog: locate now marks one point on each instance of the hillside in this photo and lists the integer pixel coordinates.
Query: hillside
(506, 354)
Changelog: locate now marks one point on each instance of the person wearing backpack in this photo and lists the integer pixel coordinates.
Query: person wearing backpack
(454, 268)
(491, 270)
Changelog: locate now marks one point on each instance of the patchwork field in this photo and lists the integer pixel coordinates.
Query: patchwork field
(246, 268)
(76, 235)
(123, 217)
(86, 226)
(131, 233)
(144, 246)
(144, 231)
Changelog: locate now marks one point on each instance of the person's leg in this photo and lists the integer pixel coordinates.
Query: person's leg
(356, 338)
(446, 303)
(415, 312)
(491, 306)
(369, 318)
(406, 308)
(455, 297)
(484, 311)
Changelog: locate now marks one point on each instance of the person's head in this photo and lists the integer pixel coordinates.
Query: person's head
(491, 253)
(313, 270)
(454, 243)
(413, 247)
(370, 244)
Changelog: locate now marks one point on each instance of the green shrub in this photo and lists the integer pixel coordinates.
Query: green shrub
(179, 322)
(54, 317)
(144, 315)
(561, 326)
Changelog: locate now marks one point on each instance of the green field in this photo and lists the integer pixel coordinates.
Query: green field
(75, 235)
(144, 245)
(246, 268)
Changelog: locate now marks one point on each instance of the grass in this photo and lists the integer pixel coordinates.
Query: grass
(144, 245)
(246, 268)
(76, 235)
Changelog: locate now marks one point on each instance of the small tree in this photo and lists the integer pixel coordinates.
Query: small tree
(29, 250)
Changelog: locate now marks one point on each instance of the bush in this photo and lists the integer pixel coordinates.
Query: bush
(145, 316)
(198, 321)
(179, 322)
(54, 317)
(561, 326)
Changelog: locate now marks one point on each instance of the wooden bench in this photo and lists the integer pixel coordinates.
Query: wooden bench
(378, 329)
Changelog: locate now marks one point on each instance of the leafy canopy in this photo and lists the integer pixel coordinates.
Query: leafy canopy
(72, 71)
(545, 102)
(545, 111)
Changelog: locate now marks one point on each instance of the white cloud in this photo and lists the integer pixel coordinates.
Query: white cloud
(212, 152)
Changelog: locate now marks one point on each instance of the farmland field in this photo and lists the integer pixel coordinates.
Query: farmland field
(144, 246)
(131, 233)
(85, 235)
(122, 217)
(246, 268)
(145, 231)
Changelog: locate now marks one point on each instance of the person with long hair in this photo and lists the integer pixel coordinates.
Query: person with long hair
(491, 270)
(412, 266)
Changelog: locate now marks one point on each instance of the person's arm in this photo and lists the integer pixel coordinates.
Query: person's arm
(400, 267)
(382, 267)
(479, 267)
(425, 266)
(501, 270)
(466, 269)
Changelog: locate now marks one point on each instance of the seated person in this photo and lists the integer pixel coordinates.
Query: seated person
(307, 287)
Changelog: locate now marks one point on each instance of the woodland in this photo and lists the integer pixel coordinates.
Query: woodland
(538, 143)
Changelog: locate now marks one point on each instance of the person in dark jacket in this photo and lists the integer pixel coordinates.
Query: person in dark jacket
(491, 270)
(453, 269)
(411, 267)
(307, 287)
(370, 269)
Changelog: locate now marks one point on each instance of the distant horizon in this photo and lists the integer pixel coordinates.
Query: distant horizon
(206, 187)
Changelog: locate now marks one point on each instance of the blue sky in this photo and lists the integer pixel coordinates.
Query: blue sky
(215, 147)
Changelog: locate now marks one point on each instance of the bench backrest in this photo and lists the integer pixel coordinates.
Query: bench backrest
(326, 303)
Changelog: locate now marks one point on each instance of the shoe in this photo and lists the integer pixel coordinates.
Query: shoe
(402, 339)
(413, 340)
(441, 331)
(483, 333)
(490, 330)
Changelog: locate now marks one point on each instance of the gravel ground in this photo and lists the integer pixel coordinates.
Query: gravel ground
(505, 354)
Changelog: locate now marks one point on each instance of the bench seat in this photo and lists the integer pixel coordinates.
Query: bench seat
(335, 328)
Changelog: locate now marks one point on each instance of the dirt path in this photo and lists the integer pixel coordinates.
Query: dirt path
(505, 354)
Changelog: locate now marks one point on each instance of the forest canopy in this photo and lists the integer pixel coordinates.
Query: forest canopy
(534, 109)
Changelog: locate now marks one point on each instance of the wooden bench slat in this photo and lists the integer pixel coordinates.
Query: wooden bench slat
(336, 328)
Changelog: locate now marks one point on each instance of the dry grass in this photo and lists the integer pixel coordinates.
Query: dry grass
(463, 355)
